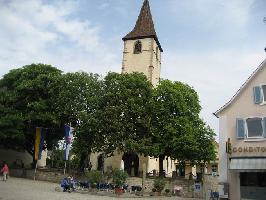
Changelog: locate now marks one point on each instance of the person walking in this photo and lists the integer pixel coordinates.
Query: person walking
(5, 171)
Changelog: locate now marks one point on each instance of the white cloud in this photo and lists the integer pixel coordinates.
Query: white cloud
(215, 76)
(32, 31)
(103, 6)
(209, 14)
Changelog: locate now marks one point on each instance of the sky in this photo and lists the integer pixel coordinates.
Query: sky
(211, 45)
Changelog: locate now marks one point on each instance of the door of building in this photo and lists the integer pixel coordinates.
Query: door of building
(131, 163)
(253, 185)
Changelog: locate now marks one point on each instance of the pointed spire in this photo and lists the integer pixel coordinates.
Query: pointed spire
(144, 27)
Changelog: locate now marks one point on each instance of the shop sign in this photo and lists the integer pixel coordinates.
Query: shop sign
(248, 149)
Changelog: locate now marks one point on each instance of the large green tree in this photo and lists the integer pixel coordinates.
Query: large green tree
(26, 104)
(123, 114)
(176, 128)
(11, 123)
(76, 102)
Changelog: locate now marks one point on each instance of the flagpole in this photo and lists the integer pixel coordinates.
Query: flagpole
(65, 168)
(35, 170)
(68, 138)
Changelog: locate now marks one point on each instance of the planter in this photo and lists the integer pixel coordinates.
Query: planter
(93, 190)
(168, 194)
(157, 194)
(158, 185)
(119, 191)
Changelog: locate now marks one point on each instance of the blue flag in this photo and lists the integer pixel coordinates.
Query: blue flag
(68, 140)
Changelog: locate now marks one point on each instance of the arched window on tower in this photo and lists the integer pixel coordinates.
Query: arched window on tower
(137, 47)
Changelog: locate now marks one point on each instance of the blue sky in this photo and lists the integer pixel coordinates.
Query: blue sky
(211, 45)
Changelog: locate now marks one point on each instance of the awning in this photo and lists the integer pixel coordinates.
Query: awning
(248, 164)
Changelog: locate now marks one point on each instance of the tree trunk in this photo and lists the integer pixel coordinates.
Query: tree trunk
(81, 162)
(161, 172)
(84, 161)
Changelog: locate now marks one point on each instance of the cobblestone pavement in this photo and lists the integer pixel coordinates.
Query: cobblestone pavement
(24, 189)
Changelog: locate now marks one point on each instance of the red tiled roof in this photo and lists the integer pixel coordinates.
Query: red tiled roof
(144, 27)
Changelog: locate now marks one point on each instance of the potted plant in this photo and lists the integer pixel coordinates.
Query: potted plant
(93, 187)
(94, 177)
(167, 192)
(119, 179)
(159, 184)
(139, 189)
(153, 192)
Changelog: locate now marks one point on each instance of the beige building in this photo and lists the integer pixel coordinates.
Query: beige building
(242, 126)
(210, 168)
(20, 158)
(142, 53)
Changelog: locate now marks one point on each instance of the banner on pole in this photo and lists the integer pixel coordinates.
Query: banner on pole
(39, 142)
(68, 140)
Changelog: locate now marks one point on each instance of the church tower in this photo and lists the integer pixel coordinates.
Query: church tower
(142, 49)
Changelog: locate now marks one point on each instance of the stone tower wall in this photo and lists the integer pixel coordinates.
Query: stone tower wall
(146, 62)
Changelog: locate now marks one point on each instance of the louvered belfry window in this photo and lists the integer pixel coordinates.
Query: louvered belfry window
(137, 47)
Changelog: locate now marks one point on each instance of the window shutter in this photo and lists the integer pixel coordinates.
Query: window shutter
(257, 95)
(240, 128)
(264, 127)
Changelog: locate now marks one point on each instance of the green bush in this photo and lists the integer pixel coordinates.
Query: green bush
(159, 184)
(94, 176)
(119, 177)
(74, 163)
(93, 185)
(167, 191)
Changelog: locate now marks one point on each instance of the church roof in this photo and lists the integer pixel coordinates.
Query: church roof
(144, 27)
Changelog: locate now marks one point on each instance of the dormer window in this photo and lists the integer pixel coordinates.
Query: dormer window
(137, 47)
(259, 93)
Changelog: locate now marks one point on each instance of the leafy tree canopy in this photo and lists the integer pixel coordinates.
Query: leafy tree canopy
(123, 114)
(76, 103)
(176, 128)
(27, 104)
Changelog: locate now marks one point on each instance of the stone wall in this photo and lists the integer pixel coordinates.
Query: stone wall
(187, 185)
(146, 62)
(42, 175)
(209, 183)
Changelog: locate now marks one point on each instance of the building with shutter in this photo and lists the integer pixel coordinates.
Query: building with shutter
(242, 139)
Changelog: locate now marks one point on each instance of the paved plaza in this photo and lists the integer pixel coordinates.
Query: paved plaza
(24, 189)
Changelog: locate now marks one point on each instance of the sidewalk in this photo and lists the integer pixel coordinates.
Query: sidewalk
(25, 189)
